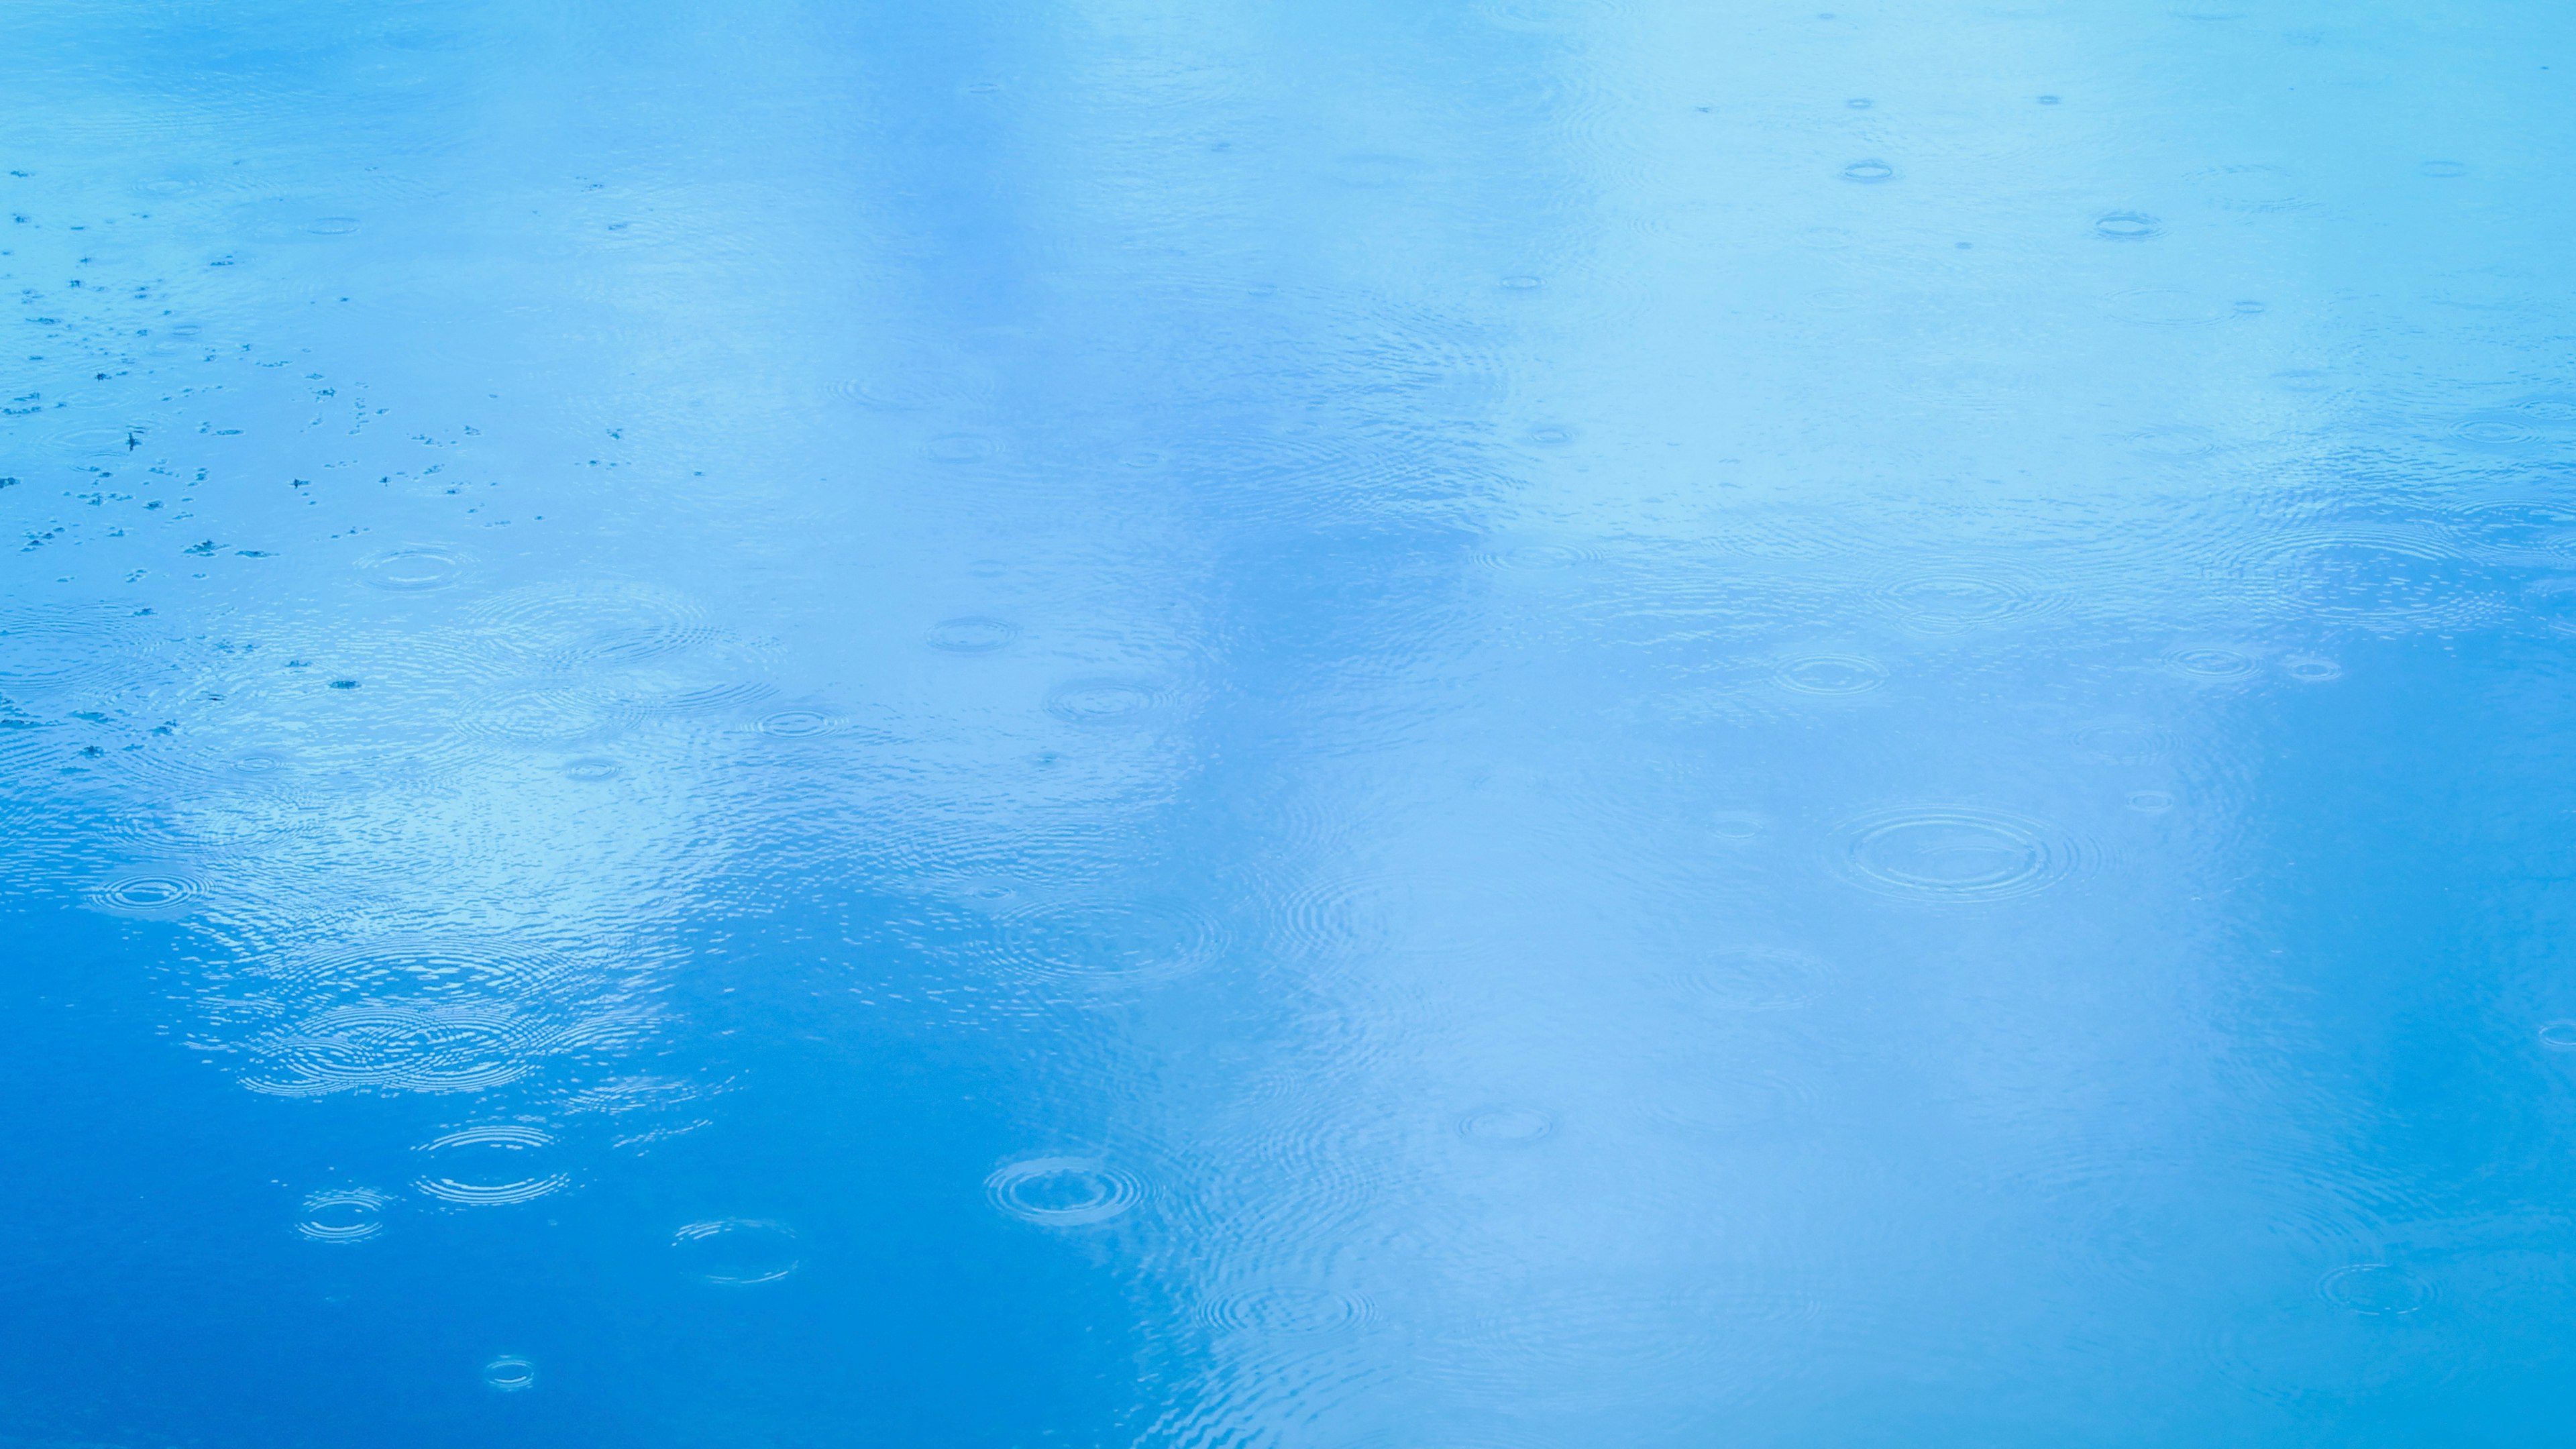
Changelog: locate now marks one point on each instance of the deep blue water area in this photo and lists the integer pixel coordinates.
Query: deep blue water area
(1500, 724)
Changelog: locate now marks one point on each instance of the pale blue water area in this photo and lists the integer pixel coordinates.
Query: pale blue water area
(1516, 725)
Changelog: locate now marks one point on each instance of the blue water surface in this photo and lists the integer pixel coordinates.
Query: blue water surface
(1455, 724)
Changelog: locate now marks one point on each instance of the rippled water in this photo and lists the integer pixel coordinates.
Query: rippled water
(1466, 726)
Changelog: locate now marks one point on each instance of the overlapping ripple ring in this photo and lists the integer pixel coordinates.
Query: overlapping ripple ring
(1757, 978)
(402, 1047)
(496, 1146)
(1113, 941)
(157, 894)
(1279, 1310)
(1064, 1192)
(343, 1215)
(1954, 853)
(737, 1252)
(1949, 603)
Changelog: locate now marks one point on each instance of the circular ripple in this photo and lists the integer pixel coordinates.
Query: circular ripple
(1954, 853)
(1757, 978)
(446, 971)
(2124, 742)
(488, 1166)
(800, 724)
(1506, 1126)
(1830, 674)
(2149, 802)
(961, 447)
(1063, 1192)
(1102, 700)
(510, 1374)
(737, 1252)
(416, 567)
(1113, 942)
(1283, 1311)
(551, 714)
(1534, 555)
(592, 769)
(2311, 669)
(2126, 226)
(2250, 188)
(568, 622)
(1736, 824)
(2209, 662)
(2378, 577)
(974, 634)
(398, 1048)
(2168, 307)
(1869, 173)
(158, 894)
(2375, 1289)
(1951, 603)
(2559, 1036)
(344, 1215)
(2519, 533)
(1601, 1344)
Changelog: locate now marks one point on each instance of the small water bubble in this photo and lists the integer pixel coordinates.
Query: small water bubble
(510, 1374)
(2149, 802)
(2444, 170)
(332, 225)
(1506, 1126)
(1869, 173)
(2048, 100)
(2126, 226)
(1521, 282)
(592, 769)
(1063, 1192)
(737, 1252)
(1551, 437)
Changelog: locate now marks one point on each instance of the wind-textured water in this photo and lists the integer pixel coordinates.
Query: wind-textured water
(1497, 724)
